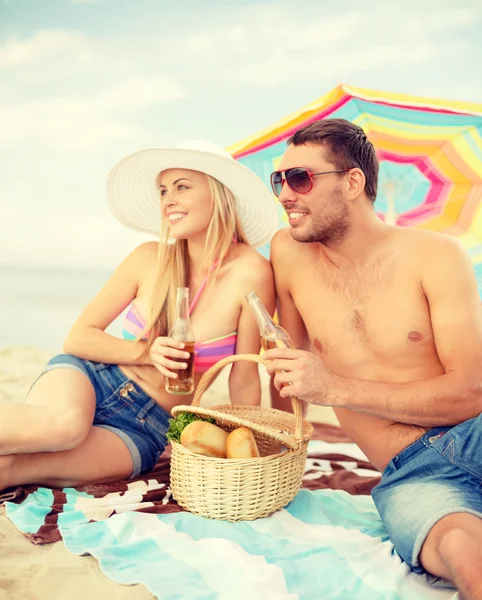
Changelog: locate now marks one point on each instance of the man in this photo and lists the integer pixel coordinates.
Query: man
(393, 320)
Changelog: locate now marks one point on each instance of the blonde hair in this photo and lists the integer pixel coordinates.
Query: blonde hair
(173, 260)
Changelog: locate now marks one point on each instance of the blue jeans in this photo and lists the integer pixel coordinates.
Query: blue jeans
(124, 408)
(439, 474)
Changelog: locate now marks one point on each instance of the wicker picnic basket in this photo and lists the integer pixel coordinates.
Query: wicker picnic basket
(242, 489)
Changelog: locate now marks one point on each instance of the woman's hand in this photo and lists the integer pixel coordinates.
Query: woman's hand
(162, 353)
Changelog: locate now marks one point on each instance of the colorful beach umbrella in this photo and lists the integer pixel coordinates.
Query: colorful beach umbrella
(430, 153)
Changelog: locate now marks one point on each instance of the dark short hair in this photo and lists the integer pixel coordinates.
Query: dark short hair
(346, 145)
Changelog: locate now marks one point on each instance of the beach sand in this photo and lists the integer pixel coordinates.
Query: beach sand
(50, 572)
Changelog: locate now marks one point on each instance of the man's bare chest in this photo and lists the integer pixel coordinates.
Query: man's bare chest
(376, 319)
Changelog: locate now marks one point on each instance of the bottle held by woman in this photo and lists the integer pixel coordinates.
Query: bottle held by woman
(181, 330)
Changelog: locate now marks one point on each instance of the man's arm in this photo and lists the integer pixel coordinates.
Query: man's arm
(456, 315)
(288, 316)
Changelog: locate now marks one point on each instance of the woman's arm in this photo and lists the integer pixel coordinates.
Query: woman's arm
(244, 382)
(87, 338)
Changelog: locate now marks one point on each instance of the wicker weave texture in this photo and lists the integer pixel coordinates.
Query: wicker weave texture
(242, 489)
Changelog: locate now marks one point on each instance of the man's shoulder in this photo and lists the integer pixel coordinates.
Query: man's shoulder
(284, 246)
(426, 243)
(283, 235)
(431, 253)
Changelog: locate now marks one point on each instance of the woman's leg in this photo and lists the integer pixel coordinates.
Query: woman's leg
(103, 456)
(57, 415)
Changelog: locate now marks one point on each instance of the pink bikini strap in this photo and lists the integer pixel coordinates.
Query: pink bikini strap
(201, 288)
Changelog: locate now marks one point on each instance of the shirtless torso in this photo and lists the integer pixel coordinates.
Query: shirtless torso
(367, 322)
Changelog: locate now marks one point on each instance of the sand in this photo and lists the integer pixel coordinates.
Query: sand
(50, 572)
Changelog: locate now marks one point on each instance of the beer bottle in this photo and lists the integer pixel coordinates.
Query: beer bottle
(181, 330)
(272, 335)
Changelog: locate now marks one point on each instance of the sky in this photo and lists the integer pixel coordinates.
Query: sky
(85, 82)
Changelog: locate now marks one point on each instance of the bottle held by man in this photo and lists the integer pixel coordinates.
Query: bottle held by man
(271, 334)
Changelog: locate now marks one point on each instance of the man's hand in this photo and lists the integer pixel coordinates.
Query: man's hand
(301, 374)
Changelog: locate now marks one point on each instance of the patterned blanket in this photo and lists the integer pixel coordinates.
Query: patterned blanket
(329, 542)
(333, 463)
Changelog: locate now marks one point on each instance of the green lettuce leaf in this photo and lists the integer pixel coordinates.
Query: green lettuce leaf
(182, 420)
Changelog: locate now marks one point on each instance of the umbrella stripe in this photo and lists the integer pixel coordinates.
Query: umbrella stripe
(430, 153)
(409, 110)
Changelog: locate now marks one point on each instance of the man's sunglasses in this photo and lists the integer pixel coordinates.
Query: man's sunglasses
(300, 180)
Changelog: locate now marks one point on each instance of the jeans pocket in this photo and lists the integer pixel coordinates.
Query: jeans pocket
(449, 448)
(390, 468)
(109, 408)
(159, 428)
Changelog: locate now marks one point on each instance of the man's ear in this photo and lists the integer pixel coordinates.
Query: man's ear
(356, 182)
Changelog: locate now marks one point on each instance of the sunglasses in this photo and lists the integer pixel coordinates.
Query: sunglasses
(300, 180)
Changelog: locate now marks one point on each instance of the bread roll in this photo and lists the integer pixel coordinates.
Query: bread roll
(241, 444)
(205, 438)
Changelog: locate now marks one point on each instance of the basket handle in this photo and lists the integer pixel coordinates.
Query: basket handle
(208, 376)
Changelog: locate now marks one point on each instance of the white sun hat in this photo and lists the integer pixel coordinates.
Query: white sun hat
(135, 200)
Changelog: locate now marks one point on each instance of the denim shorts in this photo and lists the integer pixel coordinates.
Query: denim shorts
(439, 474)
(124, 408)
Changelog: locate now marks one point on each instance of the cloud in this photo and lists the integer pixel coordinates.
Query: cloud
(71, 92)
(85, 122)
(65, 241)
(442, 21)
(267, 45)
(40, 47)
(74, 109)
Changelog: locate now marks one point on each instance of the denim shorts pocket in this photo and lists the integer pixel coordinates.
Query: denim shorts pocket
(390, 468)
(106, 379)
(109, 407)
(159, 426)
(449, 449)
(461, 447)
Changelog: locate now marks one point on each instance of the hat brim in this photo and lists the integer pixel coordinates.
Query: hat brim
(134, 198)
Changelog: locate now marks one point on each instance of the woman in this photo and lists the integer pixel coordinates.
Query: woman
(100, 412)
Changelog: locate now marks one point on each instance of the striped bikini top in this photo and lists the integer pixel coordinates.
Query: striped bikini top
(207, 353)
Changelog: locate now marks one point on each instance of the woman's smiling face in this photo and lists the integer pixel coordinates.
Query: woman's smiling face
(186, 202)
